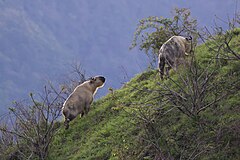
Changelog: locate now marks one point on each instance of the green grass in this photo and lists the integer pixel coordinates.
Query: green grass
(129, 123)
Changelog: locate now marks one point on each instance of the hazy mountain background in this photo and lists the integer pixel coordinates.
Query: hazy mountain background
(40, 39)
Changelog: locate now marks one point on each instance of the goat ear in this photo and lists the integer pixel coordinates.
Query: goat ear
(92, 79)
(189, 38)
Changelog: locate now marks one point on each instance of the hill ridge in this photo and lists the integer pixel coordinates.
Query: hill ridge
(150, 119)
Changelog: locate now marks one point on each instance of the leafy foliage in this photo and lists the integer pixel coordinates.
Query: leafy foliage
(153, 31)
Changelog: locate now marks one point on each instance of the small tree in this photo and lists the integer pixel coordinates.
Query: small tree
(191, 94)
(29, 128)
(33, 126)
(76, 76)
(223, 45)
(153, 31)
(178, 111)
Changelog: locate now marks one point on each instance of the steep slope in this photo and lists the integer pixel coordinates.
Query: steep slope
(150, 119)
(106, 132)
(40, 39)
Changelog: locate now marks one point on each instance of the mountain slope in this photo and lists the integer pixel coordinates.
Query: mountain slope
(39, 40)
(149, 119)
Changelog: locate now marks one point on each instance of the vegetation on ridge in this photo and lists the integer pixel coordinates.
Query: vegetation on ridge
(193, 114)
(136, 122)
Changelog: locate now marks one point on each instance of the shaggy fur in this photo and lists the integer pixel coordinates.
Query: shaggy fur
(176, 48)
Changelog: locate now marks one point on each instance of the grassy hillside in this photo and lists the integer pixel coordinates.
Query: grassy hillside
(192, 115)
